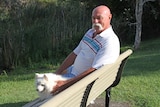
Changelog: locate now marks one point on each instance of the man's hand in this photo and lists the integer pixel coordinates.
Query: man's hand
(59, 84)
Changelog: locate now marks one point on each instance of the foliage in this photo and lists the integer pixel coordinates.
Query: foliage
(42, 31)
(151, 20)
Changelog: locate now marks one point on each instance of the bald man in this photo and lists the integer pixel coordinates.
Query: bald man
(99, 46)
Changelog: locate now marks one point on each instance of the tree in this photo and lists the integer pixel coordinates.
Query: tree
(138, 15)
(12, 36)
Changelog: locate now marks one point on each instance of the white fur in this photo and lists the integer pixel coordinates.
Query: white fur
(45, 83)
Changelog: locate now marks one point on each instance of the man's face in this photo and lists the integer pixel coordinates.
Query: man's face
(100, 21)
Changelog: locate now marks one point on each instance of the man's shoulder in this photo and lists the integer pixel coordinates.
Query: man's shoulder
(108, 33)
(90, 31)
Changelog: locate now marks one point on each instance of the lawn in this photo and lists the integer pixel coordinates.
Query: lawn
(139, 85)
(140, 82)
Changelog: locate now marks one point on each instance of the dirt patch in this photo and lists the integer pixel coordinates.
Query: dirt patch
(100, 102)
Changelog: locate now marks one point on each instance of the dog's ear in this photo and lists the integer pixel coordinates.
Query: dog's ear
(45, 77)
(36, 75)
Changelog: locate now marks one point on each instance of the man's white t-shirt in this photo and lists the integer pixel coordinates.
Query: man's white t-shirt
(96, 52)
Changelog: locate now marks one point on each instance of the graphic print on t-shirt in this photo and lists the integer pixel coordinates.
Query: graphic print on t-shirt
(92, 43)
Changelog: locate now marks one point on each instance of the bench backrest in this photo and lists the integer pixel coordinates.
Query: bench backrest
(90, 86)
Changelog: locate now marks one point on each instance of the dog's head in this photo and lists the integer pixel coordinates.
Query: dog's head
(40, 82)
(45, 82)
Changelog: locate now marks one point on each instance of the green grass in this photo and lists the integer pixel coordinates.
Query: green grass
(140, 81)
(139, 85)
(17, 88)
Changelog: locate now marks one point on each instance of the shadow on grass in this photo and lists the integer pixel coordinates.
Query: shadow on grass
(19, 104)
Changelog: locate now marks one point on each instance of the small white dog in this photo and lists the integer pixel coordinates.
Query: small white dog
(45, 84)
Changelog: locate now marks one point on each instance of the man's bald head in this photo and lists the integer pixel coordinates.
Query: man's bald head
(102, 9)
(101, 15)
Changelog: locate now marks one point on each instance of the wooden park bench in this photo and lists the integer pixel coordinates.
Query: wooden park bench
(81, 93)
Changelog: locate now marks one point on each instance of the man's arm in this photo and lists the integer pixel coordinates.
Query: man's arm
(62, 85)
(66, 63)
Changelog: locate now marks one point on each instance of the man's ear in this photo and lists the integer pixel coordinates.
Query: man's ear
(110, 16)
(45, 77)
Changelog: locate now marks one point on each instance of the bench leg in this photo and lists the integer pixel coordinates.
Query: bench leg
(107, 97)
(86, 94)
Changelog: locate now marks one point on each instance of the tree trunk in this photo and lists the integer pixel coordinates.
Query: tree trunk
(7, 52)
(138, 14)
